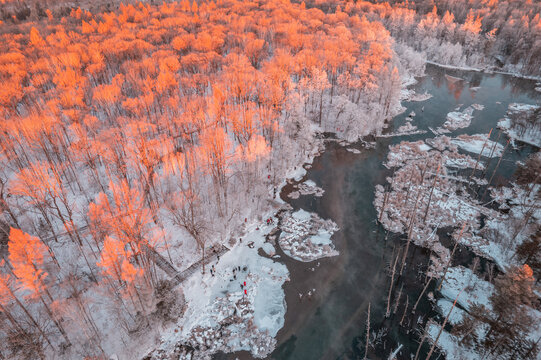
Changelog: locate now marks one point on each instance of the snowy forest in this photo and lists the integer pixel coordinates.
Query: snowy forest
(145, 145)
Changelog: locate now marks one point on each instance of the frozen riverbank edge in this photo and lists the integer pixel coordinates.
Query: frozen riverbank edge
(484, 70)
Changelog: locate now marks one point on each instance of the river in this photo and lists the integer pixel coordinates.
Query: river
(332, 323)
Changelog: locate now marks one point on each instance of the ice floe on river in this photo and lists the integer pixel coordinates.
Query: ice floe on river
(309, 187)
(523, 122)
(307, 237)
(478, 144)
(459, 119)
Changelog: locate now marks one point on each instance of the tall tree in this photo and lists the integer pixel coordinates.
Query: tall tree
(27, 255)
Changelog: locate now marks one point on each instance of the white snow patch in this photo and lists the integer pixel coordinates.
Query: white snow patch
(268, 248)
(449, 344)
(523, 123)
(476, 291)
(307, 237)
(459, 120)
(475, 143)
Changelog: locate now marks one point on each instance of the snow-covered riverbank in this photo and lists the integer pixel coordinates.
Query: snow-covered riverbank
(239, 305)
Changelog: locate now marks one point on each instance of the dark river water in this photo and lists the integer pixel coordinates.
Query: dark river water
(332, 324)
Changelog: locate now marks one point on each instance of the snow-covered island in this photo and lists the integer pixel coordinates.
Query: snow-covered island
(459, 119)
(307, 237)
(523, 123)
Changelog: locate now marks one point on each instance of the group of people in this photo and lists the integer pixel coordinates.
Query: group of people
(236, 270)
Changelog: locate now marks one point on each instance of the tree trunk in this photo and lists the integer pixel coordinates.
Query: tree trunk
(58, 326)
(479, 157)
(431, 192)
(30, 317)
(420, 296)
(405, 310)
(397, 302)
(388, 312)
(423, 338)
(495, 169)
(451, 256)
(367, 333)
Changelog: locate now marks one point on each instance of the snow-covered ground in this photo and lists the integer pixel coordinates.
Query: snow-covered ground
(220, 315)
(416, 164)
(472, 289)
(497, 239)
(445, 201)
(513, 72)
(523, 123)
(449, 344)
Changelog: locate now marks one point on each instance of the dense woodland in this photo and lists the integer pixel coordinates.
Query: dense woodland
(491, 34)
(153, 131)
(145, 129)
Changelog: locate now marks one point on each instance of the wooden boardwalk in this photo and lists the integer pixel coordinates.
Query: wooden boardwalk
(176, 276)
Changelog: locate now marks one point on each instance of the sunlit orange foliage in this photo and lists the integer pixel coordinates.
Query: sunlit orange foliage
(5, 290)
(26, 255)
(115, 261)
(111, 110)
(473, 23)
